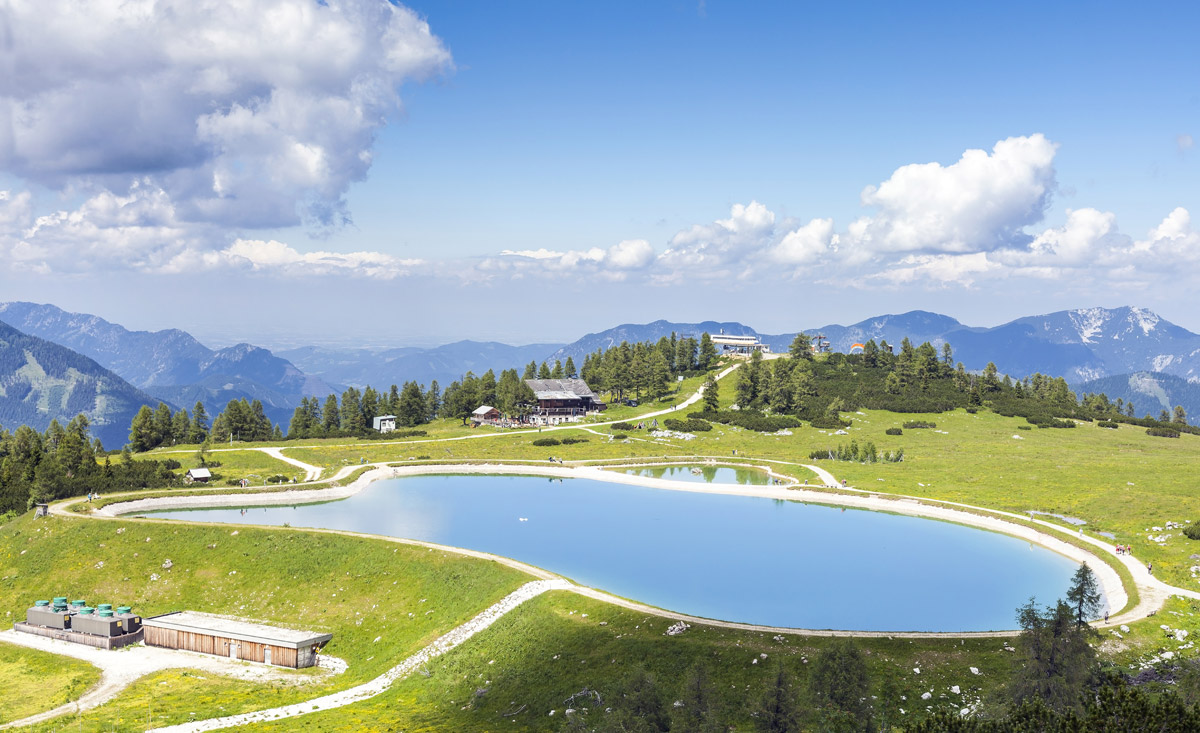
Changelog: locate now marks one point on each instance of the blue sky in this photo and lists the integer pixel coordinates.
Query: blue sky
(533, 171)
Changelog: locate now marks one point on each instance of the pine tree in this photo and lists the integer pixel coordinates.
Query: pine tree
(777, 711)
(712, 397)
(199, 429)
(569, 369)
(433, 400)
(801, 347)
(708, 353)
(544, 371)
(141, 430)
(839, 682)
(331, 420)
(1084, 595)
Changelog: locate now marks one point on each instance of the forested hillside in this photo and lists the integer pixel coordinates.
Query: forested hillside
(41, 381)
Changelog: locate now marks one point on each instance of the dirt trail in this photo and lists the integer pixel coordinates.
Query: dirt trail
(119, 669)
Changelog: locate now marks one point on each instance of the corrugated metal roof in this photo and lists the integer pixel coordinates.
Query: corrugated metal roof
(231, 628)
(560, 389)
(483, 410)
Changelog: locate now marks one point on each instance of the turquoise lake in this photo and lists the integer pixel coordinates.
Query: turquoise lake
(706, 474)
(734, 558)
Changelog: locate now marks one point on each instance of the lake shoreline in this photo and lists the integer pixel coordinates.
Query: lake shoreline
(1110, 582)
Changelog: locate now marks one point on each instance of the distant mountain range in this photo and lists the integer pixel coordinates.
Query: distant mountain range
(383, 368)
(1079, 345)
(1126, 352)
(41, 381)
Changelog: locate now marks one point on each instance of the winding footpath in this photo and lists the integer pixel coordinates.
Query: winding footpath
(380, 684)
(1152, 593)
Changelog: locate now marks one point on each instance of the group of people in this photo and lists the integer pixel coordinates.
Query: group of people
(1124, 550)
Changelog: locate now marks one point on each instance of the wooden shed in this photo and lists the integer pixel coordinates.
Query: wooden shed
(234, 638)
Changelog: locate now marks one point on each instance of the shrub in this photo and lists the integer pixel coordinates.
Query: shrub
(914, 424)
(278, 478)
(171, 464)
(543, 442)
(1044, 421)
(620, 436)
(1106, 424)
(972, 410)
(1024, 427)
(894, 431)
(572, 441)
(749, 419)
(690, 425)
(1192, 531)
(829, 422)
(1162, 432)
(627, 427)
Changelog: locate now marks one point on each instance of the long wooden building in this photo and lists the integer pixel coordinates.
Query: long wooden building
(234, 638)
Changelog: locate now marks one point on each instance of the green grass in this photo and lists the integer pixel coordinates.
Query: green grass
(32, 681)
(357, 589)
(546, 650)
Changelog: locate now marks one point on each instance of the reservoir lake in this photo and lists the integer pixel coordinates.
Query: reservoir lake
(734, 558)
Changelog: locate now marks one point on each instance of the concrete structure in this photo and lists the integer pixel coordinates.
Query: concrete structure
(562, 400)
(78, 623)
(739, 345)
(234, 638)
(384, 423)
(203, 475)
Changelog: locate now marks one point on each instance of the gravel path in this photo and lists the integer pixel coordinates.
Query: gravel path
(381, 683)
(311, 472)
(119, 669)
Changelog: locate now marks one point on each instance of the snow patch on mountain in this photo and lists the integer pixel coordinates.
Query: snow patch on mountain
(1088, 322)
(1143, 318)
(1162, 361)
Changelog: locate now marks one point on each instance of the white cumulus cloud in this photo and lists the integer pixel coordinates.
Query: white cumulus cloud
(246, 112)
(979, 203)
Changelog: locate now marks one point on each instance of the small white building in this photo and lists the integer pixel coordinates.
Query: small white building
(384, 423)
(203, 475)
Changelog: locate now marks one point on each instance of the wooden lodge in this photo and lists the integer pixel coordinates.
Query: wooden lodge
(485, 413)
(201, 475)
(233, 638)
(562, 400)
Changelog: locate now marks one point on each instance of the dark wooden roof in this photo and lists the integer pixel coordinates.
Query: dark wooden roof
(560, 389)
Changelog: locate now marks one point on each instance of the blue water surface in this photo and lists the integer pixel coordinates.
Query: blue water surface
(707, 474)
(735, 558)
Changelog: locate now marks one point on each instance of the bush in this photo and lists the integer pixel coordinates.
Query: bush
(171, 464)
(1162, 432)
(620, 436)
(1192, 531)
(543, 442)
(749, 419)
(914, 424)
(1107, 424)
(278, 478)
(829, 422)
(972, 410)
(1043, 421)
(1024, 427)
(691, 425)
(894, 431)
(627, 427)
(572, 441)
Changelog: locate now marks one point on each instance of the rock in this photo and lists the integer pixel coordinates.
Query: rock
(1181, 634)
(916, 670)
(1168, 655)
(754, 661)
(100, 565)
(154, 576)
(121, 530)
(974, 670)
(677, 628)
(167, 565)
(926, 695)
(1124, 629)
(954, 689)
